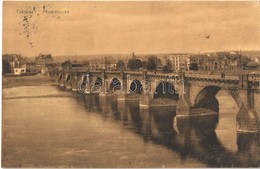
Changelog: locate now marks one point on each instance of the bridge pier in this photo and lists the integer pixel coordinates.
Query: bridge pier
(67, 79)
(61, 79)
(128, 96)
(56, 77)
(183, 108)
(145, 101)
(247, 120)
(68, 86)
(248, 114)
(74, 84)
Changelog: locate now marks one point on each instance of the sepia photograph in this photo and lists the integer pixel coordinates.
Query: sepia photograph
(130, 84)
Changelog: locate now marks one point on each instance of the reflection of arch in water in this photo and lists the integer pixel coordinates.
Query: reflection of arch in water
(115, 109)
(135, 115)
(136, 87)
(163, 118)
(197, 138)
(157, 122)
(248, 148)
(165, 90)
(91, 102)
(146, 118)
(226, 130)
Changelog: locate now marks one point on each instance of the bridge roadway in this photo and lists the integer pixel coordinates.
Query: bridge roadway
(186, 91)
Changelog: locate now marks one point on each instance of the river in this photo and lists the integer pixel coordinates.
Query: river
(44, 126)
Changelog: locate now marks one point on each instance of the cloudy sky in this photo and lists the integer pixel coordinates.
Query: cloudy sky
(125, 27)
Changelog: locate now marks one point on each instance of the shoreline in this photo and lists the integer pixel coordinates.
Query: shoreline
(34, 80)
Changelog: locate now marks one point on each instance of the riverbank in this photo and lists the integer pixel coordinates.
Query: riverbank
(34, 80)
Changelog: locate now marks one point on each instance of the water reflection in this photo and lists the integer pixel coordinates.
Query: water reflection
(195, 137)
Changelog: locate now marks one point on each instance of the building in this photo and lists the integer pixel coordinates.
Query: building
(13, 61)
(19, 71)
(68, 65)
(31, 67)
(108, 66)
(159, 67)
(218, 61)
(179, 61)
(43, 61)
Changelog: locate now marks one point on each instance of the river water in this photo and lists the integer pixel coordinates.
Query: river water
(44, 126)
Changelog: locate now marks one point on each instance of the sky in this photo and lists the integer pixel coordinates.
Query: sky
(85, 28)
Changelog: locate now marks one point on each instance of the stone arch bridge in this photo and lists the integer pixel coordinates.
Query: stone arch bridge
(185, 91)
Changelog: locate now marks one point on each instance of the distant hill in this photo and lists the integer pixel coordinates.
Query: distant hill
(115, 57)
(251, 54)
(98, 57)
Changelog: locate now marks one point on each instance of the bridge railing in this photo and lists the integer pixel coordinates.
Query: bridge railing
(252, 76)
(212, 76)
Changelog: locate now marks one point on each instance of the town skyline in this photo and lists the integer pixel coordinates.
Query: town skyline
(126, 27)
(120, 56)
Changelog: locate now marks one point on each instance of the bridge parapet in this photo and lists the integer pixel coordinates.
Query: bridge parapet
(254, 85)
(211, 76)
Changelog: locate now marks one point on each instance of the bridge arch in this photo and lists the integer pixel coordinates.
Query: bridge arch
(166, 90)
(135, 87)
(206, 98)
(83, 83)
(68, 77)
(115, 85)
(96, 85)
(97, 81)
(60, 77)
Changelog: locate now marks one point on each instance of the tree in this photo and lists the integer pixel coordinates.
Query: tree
(120, 65)
(169, 63)
(151, 64)
(167, 68)
(134, 64)
(155, 59)
(144, 64)
(243, 61)
(6, 67)
(107, 61)
(86, 63)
